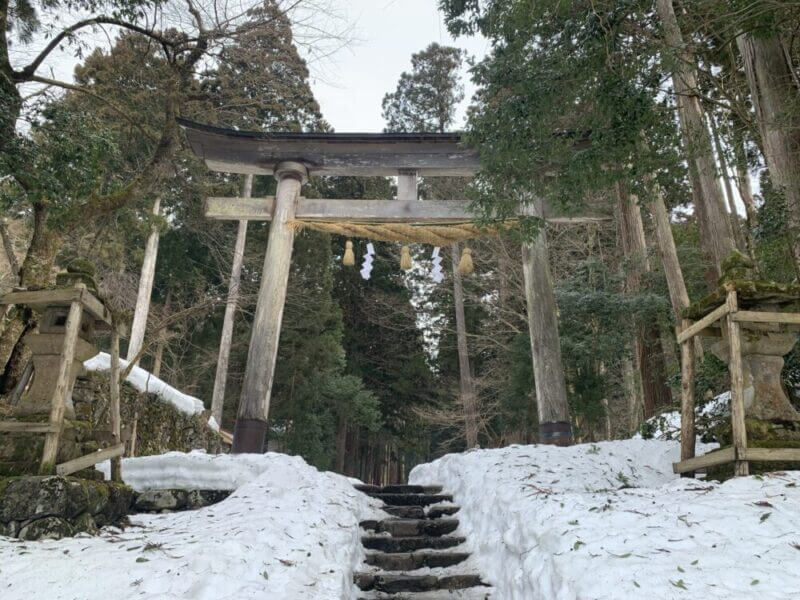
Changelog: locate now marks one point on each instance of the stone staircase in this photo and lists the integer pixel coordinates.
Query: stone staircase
(413, 554)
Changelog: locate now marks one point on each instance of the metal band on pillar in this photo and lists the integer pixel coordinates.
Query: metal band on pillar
(251, 422)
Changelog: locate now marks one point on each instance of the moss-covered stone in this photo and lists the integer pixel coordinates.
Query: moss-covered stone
(81, 265)
(52, 507)
(21, 453)
(71, 279)
(47, 528)
(760, 434)
(736, 266)
(750, 294)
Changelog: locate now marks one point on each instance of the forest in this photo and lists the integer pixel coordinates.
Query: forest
(676, 123)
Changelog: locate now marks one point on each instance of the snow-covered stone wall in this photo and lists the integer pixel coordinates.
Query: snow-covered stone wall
(166, 419)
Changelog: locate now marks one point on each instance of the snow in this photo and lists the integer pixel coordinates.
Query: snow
(288, 531)
(610, 520)
(667, 425)
(146, 382)
(193, 471)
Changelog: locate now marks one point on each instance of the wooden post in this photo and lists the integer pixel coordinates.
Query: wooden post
(116, 462)
(669, 258)
(548, 372)
(688, 433)
(251, 422)
(739, 430)
(407, 185)
(220, 380)
(62, 390)
(139, 324)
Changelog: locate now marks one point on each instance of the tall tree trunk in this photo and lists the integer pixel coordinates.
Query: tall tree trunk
(221, 378)
(776, 99)
(35, 273)
(354, 453)
(139, 324)
(698, 143)
(341, 444)
(743, 180)
(649, 354)
(162, 338)
(10, 100)
(710, 272)
(466, 384)
(634, 394)
(678, 295)
(8, 247)
(736, 223)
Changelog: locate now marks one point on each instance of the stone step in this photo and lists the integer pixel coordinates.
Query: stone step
(412, 527)
(391, 583)
(398, 489)
(412, 499)
(409, 561)
(409, 544)
(405, 512)
(437, 512)
(419, 512)
(478, 593)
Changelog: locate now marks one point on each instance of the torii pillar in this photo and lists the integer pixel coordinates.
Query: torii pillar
(548, 372)
(251, 421)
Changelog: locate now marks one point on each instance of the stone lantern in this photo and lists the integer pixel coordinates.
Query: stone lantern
(69, 316)
(47, 345)
(763, 347)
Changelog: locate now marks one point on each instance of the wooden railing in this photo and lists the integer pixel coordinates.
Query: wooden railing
(738, 453)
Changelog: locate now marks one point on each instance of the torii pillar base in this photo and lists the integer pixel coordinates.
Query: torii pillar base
(251, 422)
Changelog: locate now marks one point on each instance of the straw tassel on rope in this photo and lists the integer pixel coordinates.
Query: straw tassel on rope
(349, 258)
(465, 266)
(405, 258)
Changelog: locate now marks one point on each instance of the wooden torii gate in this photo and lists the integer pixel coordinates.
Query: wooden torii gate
(291, 158)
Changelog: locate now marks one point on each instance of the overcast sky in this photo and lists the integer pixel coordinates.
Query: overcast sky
(351, 85)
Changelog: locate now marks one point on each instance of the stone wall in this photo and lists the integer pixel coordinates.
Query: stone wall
(160, 427)
(51, 507)
(174, 500)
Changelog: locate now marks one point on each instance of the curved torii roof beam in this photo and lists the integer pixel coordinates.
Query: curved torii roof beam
(365, 154)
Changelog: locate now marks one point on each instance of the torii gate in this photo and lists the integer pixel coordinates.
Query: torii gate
(292, 158)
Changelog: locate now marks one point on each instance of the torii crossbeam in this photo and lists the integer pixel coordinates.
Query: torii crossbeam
(292, 158)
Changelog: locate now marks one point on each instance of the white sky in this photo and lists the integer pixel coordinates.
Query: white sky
(351, 85)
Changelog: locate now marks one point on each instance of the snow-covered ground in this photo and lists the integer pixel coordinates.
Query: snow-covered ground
(610, 520)
(289, 531)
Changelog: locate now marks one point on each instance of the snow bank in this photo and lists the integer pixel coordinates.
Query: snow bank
(291, 532)
(146, 382)
(667, 425)
(610, 520)
(193, 471)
